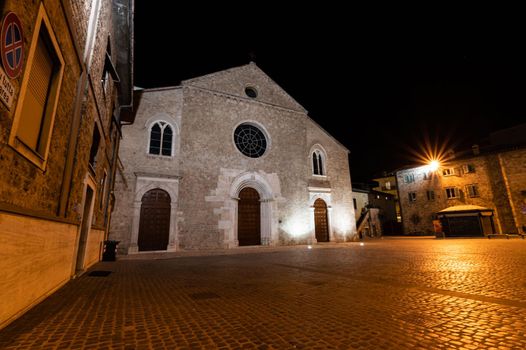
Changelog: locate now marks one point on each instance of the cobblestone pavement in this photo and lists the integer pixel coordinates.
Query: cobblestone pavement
(386, 294)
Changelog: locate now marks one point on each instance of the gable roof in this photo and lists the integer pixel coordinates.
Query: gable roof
(234, 81)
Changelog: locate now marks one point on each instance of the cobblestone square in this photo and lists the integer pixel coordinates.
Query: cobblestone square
(390, 293)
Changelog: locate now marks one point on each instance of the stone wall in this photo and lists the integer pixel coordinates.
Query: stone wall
(496, 175)
(155, 104)
(210, 170)
(514, 168)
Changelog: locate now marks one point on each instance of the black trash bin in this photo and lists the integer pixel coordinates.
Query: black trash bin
(110, 250)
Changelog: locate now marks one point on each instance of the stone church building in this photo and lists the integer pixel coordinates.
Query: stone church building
(225, 160)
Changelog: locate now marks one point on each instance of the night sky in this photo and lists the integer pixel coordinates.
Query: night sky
(382, 85)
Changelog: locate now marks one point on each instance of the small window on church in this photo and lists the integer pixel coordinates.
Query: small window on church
(161, 136)
(317, 163)
(251, 92)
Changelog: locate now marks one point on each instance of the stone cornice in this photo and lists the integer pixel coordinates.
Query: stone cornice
(157, 176)
(247, 100)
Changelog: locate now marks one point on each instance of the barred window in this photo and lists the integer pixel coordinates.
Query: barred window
(452, 192)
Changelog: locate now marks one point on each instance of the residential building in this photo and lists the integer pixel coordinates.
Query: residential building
(66, 90)
(485, 189)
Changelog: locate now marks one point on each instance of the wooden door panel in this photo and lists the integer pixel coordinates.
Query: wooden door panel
(321, 223)
(249, 217)
(154, 224)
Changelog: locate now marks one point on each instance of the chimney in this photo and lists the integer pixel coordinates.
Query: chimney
(476, 149)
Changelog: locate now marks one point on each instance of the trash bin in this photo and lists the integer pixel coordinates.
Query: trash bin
(110, 250)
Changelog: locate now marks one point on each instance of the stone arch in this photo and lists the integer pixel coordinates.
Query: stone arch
(254, 180)
(268, 210)
(139, 193)
(317, 146)
(144, 184)
(326, 197)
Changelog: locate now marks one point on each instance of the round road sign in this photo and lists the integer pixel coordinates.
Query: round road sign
(12, 45)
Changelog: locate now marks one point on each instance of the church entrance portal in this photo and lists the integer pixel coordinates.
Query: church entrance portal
(154, 225)
(249, 217)
(321, 225)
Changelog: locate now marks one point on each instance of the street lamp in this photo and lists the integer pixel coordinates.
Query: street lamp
(434, 165)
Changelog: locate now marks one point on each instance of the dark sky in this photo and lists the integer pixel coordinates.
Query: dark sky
(382, 84)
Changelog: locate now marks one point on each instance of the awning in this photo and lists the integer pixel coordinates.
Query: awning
(466, 209)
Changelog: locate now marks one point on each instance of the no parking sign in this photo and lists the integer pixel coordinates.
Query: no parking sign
(12, 45)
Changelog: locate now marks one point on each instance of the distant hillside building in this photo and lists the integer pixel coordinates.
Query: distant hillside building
(472, 194)
(225, 160)
(59, 134)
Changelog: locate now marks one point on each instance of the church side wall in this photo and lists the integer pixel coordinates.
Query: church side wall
(338, 176)
(162, 104)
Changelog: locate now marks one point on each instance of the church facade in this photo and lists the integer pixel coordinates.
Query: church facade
(225, 160)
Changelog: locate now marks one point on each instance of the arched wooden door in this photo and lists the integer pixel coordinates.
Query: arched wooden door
(321, 224)
(248, 217)
(154, 224)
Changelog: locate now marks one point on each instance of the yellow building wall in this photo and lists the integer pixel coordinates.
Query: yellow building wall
(36, 258)
(93, 247)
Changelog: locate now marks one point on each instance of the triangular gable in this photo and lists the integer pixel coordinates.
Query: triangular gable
(235, 80)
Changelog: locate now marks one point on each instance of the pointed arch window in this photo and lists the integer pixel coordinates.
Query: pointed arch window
(161, 137)
(317, 163)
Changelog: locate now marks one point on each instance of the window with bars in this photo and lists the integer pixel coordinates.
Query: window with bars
(452, 192)
(448, 172)
(161, 137)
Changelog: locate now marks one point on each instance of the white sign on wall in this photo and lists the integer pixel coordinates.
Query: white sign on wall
(7, 90)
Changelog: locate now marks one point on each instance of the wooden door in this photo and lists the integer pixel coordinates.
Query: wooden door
(154, 224)
(321, 224)
(248, 217)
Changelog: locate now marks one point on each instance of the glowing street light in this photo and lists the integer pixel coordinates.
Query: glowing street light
(434, 165)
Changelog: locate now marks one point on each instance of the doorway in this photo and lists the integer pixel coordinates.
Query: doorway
(321, 224)
(249, 217)
(154, 223)
(84, 229)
